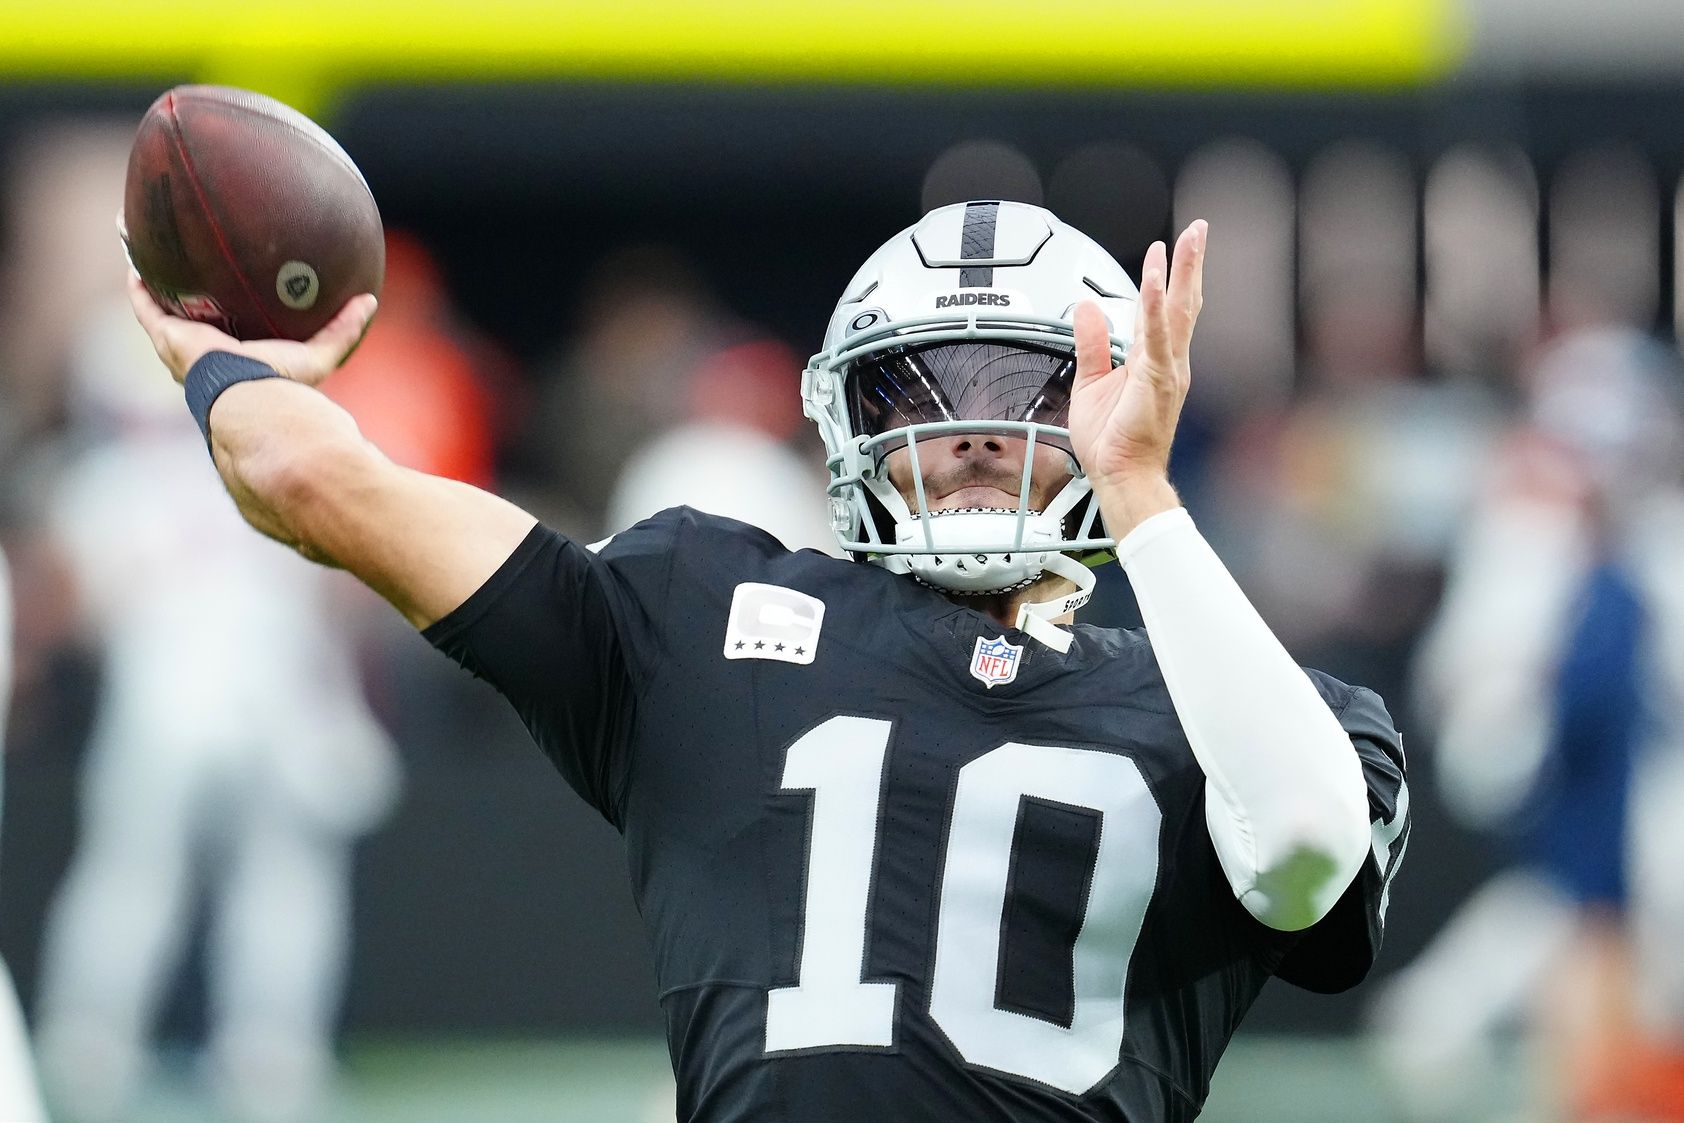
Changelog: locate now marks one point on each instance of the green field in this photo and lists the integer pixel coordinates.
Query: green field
(1262, 1080)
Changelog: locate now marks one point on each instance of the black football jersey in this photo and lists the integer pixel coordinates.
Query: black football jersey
(897, 862)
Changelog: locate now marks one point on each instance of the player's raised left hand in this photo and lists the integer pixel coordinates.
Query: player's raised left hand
(180, 342)
(1123, 419)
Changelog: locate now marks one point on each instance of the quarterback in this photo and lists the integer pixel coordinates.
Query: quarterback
(910, 844)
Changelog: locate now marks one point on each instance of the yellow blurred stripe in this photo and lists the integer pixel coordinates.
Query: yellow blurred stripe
(897, 42)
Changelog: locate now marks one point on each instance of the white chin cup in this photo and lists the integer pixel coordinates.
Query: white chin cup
(959, 564)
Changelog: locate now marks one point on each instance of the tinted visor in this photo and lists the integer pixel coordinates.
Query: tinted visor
(965, 381)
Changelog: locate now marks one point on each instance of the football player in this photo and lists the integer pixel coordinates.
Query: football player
(232, 789)
(910, 844)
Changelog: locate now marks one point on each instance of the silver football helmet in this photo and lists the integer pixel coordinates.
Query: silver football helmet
(961, 324)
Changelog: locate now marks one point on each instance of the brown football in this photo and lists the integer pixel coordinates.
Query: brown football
(244, 213)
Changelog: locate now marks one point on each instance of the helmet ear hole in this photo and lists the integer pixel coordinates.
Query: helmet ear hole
(1071, 527)
(881, 520)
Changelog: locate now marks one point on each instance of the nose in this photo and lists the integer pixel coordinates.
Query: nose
(976, 446)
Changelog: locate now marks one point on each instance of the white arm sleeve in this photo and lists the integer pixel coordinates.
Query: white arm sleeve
(1285, 799)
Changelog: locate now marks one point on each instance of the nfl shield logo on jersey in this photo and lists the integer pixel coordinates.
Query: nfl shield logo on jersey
(994, 661)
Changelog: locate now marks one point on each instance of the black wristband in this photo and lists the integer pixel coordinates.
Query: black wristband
(213, 373)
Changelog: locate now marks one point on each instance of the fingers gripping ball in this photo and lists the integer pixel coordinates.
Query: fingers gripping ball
(243, 213)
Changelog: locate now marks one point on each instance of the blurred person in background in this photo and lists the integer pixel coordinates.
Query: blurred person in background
(423, 385)
(20, 1099)
(732, 455)
(1555, 675)
(232, 753)
(63, 187)
(647, 318)
(1360, 481)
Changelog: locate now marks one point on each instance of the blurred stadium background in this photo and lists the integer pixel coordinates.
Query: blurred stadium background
(595, 213)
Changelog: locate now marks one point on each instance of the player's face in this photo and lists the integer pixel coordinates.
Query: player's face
(979, 470)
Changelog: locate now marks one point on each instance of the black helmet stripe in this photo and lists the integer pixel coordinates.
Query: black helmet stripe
(976, 243)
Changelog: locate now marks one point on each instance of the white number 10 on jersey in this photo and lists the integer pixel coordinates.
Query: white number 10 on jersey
(833, 1006)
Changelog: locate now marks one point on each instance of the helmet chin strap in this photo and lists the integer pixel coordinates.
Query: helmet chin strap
(1034, 618)
(1037, 618)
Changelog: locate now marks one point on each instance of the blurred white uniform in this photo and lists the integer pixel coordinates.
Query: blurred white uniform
(19, 1099)
(232, 743)
(1486, 678)
(730, 470)
(1487, 666)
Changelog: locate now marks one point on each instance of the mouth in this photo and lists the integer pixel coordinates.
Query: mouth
(976, 495)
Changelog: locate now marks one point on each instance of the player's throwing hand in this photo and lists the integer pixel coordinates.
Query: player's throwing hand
(180, 342)
(1122, 420)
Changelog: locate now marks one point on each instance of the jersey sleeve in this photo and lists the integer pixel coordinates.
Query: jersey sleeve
(1336, 953)
(567, 634)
